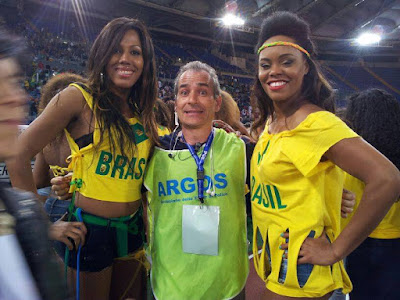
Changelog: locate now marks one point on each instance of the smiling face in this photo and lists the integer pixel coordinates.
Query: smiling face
(195, 102)
(126, 64)
(12, 106)
(281, 70)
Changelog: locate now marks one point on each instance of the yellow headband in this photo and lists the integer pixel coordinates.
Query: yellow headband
(298, 47)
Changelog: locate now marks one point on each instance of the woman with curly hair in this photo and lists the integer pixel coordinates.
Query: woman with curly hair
(110, 127)
(53, 156)
(230, 114)
(163, 117)
(296, 170)
(374, 266)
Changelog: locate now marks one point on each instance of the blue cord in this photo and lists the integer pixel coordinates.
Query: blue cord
(79, 215)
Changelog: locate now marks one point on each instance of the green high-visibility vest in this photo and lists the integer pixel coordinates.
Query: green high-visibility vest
(176, 275)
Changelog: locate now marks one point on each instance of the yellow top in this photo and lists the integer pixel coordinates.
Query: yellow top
(163, 130)
(292, 189)
(389, 227)
(103, 175)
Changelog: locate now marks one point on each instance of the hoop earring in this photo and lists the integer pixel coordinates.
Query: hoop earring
(101, 78)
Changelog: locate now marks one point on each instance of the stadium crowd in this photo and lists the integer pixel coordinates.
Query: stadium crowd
(64, 52)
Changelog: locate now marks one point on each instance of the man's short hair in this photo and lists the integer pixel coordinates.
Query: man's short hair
(199, 66)
(12, 47)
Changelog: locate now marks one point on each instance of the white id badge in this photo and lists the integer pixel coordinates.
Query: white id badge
(200, 227)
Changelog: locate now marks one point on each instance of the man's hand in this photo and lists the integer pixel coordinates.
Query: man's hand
(348, 202)
(60, 186)
(68, 233)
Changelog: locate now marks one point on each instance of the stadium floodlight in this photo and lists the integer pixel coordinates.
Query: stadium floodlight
(368, 38)
(232, 20)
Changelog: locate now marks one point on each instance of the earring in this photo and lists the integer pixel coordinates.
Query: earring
(176, 119)
(101, 78)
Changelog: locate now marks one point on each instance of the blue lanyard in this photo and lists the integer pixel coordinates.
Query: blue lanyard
(200, 164)
(78, 255)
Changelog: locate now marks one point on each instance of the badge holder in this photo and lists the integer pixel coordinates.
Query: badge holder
(200, 229)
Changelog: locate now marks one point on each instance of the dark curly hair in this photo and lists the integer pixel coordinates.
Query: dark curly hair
(143, 93)
(316, 88)
(375, 115)
(56, 84)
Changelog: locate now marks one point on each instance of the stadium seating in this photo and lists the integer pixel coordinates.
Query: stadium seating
(359, 77)
(60, 52)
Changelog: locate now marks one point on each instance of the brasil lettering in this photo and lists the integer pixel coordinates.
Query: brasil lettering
(189, 185)
(266, 195)
(120, 166)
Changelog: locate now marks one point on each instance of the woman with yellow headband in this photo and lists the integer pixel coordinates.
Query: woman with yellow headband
(296, 171)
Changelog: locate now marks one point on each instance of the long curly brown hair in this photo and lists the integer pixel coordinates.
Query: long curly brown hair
(229, 111)
(164, 114)
(375, 115)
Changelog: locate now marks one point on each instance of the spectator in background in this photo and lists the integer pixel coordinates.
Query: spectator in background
(50, 162)
(374, 267)
(229, 113)
(171, 107)
(32, 103)
(163, 117)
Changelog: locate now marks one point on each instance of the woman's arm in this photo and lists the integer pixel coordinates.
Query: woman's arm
(41, 174)
(382, 189)
(56, 116)
(145, 217)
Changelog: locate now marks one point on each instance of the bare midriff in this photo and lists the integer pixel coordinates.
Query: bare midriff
(106, 209)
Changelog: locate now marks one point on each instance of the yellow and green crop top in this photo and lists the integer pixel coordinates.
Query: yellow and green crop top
(100, 174)
(291, 189)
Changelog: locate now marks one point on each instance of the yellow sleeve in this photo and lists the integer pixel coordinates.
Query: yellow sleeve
(85, 92)
(306, 144)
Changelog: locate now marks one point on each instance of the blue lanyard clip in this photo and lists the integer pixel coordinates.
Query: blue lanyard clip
(200, 164)
(200, 174)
